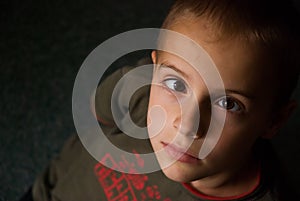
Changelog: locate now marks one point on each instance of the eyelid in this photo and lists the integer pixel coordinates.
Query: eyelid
(176, 79)
(239, 103)
(166, 71)
(177, 74)
(165, 65)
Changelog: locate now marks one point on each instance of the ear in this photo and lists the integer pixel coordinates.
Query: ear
(154, 56)
(280, 119)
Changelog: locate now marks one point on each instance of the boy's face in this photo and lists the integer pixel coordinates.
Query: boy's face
(249, 94)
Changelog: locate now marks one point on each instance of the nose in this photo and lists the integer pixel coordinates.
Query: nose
(193, 119)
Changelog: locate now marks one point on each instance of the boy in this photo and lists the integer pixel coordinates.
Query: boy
(254, 46)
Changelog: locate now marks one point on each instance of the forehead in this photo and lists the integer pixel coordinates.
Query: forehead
(239, 63)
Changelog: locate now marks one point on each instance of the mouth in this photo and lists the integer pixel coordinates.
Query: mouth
(179, 154)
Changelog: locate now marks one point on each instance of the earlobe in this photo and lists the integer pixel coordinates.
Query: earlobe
(281, 118)
(153, 56)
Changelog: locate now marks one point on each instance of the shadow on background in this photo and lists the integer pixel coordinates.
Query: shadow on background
(43, 44)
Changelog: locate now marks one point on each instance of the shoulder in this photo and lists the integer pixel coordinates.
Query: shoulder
(113, 91)
(274, 172)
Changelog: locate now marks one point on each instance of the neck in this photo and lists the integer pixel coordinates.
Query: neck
(231, 182)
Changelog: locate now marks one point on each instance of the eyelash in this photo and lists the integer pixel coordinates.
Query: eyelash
(236, 107)
(172, 88)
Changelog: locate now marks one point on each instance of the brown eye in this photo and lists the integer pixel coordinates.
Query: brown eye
(229, 104)
(175, 85)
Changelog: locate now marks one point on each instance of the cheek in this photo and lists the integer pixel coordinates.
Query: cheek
(237, 139)
(249, 128)
(230, 150)
(157, 119)
(160, 102)
(157, 112)
(163, 109)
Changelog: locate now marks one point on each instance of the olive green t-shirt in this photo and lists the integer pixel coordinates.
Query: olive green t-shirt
(74, 175)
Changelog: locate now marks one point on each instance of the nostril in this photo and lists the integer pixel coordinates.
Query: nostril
(176, 123)
(196, 137)
(187, 128)
(188, 121)
(191, 132)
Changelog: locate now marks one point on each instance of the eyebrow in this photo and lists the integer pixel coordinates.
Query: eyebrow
(173, 67)
(241, 93)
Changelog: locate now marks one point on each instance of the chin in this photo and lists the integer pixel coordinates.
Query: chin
(179, 173)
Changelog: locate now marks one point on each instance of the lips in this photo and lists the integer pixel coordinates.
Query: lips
(179, 154)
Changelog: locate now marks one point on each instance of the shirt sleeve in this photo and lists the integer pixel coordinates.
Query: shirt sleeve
(133, 106)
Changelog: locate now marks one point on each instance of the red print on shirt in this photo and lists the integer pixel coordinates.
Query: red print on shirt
(119, 186)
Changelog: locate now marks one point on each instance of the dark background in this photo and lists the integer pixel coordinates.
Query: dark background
(42, 46)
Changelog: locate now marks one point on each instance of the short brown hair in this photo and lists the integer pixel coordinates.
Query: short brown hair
(273, 25)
